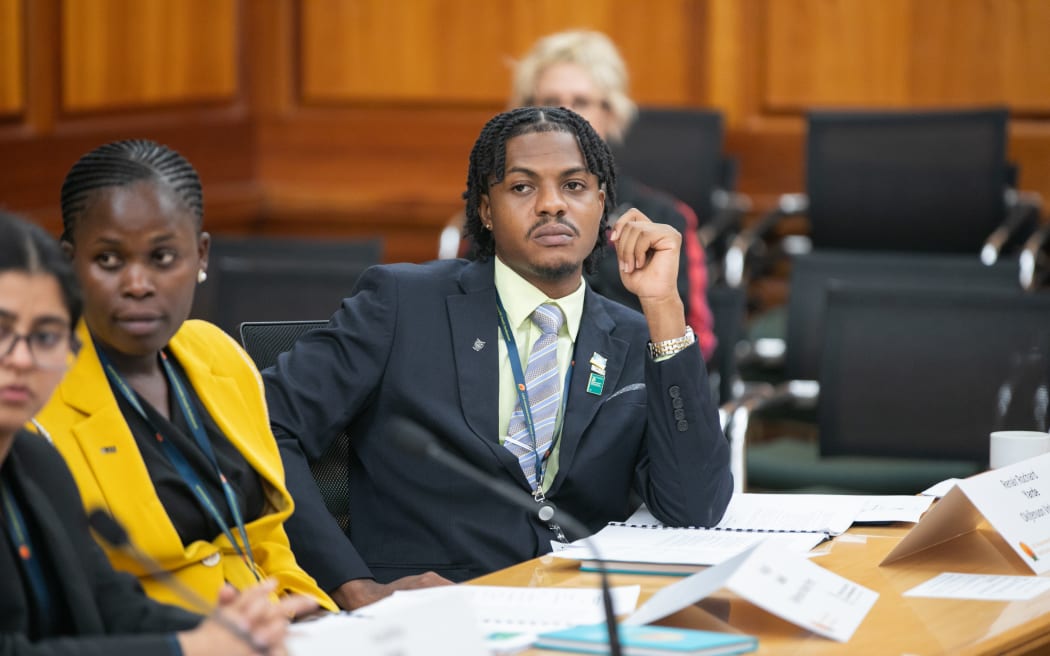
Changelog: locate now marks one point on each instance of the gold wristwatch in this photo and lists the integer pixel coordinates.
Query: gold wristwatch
(669, 347)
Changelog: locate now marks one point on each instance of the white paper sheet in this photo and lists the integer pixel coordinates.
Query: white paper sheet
(628, 544)
(938, 490)
(985, 587)
(531, 610)
(826, 513)
(438, 625)
(673, 598)
(893, 508)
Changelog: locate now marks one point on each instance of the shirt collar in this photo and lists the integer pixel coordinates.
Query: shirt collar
(520, 298)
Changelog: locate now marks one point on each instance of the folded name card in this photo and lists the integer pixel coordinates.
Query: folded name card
(1014, 500)
(785, 584)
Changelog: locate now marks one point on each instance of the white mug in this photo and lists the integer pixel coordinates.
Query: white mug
(1008, 447)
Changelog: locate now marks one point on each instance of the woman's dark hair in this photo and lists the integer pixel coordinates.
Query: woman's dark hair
(488, 163)
(27, 248)
(122, 163)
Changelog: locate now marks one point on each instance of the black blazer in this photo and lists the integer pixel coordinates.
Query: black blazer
(421, 341)
(110, 612)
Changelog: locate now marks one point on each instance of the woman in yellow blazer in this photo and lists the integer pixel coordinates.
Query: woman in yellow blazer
(161, 420)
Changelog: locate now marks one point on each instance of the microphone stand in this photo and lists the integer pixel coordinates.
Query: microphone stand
(413, 438)
(109, 529)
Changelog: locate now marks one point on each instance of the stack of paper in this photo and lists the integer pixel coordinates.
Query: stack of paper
(792, 522)
(534, 610)
(511, 617)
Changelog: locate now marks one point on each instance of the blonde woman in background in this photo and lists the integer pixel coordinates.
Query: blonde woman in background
(583, 71)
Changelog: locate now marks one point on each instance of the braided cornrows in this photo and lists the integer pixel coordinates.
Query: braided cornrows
(488, 163)
(122, 163)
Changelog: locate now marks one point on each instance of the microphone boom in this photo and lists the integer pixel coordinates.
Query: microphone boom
(412, 438)
(110, 530)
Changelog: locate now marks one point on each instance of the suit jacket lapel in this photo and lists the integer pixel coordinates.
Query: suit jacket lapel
(473, 325)
(594, 336)
(223, 400)
(111, 452)
(475, 347)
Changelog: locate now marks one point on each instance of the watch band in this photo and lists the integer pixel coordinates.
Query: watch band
(669, 347)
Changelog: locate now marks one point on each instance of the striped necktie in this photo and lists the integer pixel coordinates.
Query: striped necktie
(544, 390)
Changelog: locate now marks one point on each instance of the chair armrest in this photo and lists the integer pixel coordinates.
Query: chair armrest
(1034, 260)
(729, 208)
(765, 352)
(448, 242)
(736, 418)
(1022, 213)
(719, 226)
(747, 244)
(717, 232)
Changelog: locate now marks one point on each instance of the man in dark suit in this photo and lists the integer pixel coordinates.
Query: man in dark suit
(513, 364)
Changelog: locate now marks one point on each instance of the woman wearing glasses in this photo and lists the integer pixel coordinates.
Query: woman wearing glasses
(60, 596)
(162, 421)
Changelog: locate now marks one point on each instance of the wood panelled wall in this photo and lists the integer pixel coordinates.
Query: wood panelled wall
(907, 53)
(130, 53)
(383, 100)
(12, 64)
(85, 72)
(461, 51)
(356, 117)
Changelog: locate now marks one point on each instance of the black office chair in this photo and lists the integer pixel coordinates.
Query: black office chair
(932, 181)
(796, 354)
(728, 309)
(909, 387)
(679, 151)
(811, 275)
(780, 375)
(264, 341)
(278, 279)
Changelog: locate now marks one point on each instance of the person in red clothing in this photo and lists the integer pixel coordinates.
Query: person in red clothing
(583, 71)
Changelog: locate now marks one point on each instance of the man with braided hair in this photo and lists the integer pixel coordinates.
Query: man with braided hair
(514, 365)
(583, 71)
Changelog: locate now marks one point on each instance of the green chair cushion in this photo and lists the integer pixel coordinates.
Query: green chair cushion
(796, 465)
(772, 323)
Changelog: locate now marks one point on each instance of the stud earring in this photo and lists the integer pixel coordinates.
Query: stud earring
(202, 275)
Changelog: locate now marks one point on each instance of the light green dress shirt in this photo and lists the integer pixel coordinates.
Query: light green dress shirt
(520, 298)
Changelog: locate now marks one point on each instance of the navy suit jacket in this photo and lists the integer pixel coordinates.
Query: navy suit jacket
(110, 612)
(420, 341)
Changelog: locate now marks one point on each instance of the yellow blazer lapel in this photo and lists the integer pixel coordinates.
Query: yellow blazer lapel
(105, 450)
(223, 398)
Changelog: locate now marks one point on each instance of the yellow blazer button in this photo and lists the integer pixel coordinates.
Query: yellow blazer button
(212, 560)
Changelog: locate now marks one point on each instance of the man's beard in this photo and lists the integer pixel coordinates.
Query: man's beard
(557, 271)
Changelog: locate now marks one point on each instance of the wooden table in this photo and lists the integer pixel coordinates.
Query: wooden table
(895, 624)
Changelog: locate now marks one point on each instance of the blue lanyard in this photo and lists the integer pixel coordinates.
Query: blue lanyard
(178, 460)
(19, 535)
(523, 394)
